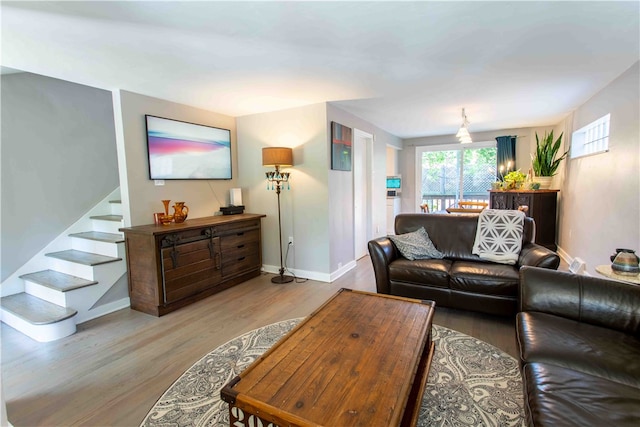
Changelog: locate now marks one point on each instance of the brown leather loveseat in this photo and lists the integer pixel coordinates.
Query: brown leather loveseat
(461, 279)
(579, 340)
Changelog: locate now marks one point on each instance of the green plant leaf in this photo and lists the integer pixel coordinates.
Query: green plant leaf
(545, 161)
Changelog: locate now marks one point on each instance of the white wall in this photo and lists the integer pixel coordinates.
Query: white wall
(392, 167)
(305, 207)
(600, 208)
(140, 197)
(58, 160)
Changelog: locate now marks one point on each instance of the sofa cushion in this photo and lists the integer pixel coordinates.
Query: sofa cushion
(452, 234)
(484, 278)
(416, 245)
(556, 397)
(595, 350)
(425, 272)
(499, 235)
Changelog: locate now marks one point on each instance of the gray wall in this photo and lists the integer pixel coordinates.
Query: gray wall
(140, 197)
(305, 207)
(58, 160)
(600, 209)
(318, 210)
(341, 188)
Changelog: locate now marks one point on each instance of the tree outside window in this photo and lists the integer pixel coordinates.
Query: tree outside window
(449, 176)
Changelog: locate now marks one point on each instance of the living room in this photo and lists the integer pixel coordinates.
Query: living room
(48, 179)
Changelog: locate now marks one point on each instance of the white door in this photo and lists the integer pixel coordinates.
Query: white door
(362, 211)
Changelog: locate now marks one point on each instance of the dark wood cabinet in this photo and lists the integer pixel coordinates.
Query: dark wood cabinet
(170, 266)
(542, 208)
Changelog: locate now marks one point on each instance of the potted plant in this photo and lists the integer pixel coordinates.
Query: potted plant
(514, 180)
(545, 161)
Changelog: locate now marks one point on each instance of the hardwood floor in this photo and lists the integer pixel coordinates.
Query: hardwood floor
(114, 368)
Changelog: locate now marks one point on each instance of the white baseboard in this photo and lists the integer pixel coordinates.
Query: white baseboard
(569, 259)
(341, 271)
(312, 275)
(104, 309)
(564, 255)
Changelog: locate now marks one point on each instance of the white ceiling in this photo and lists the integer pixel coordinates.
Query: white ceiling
(407, 67)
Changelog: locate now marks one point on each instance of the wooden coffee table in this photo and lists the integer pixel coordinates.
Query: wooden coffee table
(361, 359)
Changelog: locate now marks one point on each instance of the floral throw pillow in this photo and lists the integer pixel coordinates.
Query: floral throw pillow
(416, 245)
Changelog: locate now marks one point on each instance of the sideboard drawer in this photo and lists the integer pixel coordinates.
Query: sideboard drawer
(239, 239)
(170, 266)
(226, 229)
(242, 259)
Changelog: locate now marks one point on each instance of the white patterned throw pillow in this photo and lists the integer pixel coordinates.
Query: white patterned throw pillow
(499, 235)
(416, 245)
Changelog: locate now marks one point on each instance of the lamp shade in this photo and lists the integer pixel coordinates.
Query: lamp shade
(462, 132)
(277, 156)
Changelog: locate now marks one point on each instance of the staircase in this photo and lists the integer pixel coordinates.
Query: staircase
(72, 279)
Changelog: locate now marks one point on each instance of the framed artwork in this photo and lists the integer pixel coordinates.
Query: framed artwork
(340, 147)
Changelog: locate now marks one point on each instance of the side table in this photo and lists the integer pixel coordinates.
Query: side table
(606, 270)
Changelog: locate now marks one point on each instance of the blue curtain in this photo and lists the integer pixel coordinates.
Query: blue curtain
(506, 153)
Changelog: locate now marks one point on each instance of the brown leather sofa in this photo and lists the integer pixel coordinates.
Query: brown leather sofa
(460, 280)
(579, 340)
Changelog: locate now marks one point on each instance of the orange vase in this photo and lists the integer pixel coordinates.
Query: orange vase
(180, 212)
(166, 206)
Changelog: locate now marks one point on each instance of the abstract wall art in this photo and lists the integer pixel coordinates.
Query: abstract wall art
(340, 147)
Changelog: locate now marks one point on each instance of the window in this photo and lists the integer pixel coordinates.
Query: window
(453, 173)
(591, 139)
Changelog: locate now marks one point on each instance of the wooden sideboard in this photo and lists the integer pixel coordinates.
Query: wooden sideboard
(170, 266)
(542, 208)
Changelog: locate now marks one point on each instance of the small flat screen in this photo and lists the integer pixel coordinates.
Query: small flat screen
(394, 182)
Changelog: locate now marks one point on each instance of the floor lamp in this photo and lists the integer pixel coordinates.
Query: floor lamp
(278, 156)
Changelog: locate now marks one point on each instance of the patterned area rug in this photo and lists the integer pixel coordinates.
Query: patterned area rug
(471, 383)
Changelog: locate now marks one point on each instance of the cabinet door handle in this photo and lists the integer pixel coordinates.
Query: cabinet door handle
(174, 257)
(211, 249)
(240, 234)
(240, 246)
(241, 258)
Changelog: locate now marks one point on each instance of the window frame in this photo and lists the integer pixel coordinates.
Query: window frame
(420, 149)
(579, 139)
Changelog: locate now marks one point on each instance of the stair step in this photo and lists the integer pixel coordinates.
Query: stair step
(35, 310)
(99, 236)
(84, 258)
(114, 218)
(58, 281)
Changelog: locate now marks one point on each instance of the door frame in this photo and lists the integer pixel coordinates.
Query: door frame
(363, 186)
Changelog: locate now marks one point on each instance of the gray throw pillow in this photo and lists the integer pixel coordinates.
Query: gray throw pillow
(416, 245)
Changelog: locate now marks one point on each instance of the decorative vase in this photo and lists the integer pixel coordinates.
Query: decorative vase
(625, 263)
(180, 212)
(545, 181)
(166, 206)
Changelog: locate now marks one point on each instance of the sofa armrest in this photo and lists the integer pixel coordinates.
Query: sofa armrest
(587, 299)
(535, 255)
(382, 252)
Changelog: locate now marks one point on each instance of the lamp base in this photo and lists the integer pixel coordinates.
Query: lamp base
(281, 279)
